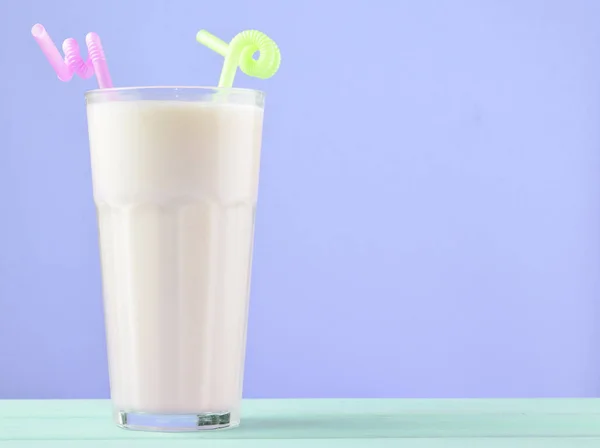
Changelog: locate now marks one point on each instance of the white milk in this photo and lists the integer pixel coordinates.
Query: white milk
(175, 184)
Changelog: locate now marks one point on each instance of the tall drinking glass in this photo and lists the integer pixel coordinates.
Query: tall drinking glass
(175, 177)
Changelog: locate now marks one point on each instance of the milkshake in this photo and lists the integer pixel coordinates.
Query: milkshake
(175, 178)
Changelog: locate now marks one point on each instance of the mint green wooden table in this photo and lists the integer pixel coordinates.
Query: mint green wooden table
(546, 423)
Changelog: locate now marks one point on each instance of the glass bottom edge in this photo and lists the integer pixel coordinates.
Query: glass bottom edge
(204, 421)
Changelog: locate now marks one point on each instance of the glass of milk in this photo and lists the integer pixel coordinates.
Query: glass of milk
(175, 177)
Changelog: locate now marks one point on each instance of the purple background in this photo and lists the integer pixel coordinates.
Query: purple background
(429, 219)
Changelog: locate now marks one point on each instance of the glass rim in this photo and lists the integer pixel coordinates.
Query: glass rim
(238, 90)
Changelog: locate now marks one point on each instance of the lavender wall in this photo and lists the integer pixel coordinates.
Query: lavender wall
(429, 221)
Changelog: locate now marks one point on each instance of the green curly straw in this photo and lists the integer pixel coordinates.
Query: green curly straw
(240, 51)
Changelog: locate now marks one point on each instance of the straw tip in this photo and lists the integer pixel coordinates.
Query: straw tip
(91, 37)
(37, 30)
(203, 35)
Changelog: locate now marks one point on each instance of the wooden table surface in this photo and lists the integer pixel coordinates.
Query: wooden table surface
(546, 423)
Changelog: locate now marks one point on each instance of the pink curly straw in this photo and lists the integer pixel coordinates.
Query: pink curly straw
(73, 62)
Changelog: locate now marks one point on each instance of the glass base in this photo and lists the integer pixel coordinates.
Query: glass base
(141, 421)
